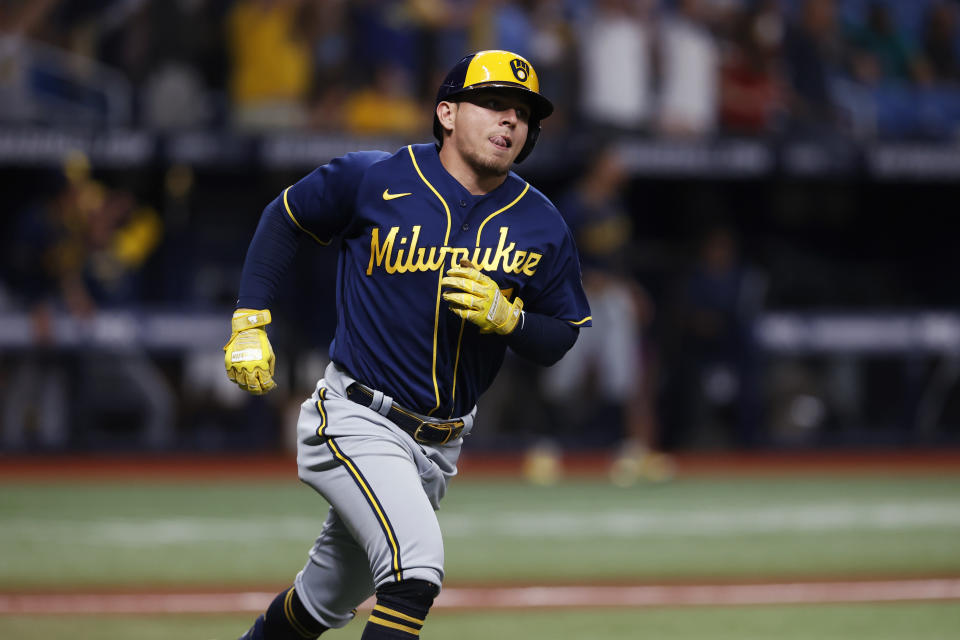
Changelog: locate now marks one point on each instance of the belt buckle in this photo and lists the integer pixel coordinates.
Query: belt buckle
(449, 426)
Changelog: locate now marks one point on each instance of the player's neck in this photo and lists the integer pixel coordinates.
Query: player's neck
(475, 182)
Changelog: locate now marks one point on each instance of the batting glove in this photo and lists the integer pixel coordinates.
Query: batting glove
(248, 355)
(477, 298)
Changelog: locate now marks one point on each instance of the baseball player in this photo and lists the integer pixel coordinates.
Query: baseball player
(446, 259)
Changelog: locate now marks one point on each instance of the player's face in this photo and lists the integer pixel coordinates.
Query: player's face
(490, 130)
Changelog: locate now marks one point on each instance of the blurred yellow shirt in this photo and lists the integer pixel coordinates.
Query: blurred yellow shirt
(268, 60)
(371, 112)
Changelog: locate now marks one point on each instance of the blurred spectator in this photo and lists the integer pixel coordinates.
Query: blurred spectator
(602, 385)
(501, 24)
(36, 397)
(388, 106)
(751, 81)
(813, 53)
(271, 64)
(712, 394)
(553, 50)
(174, 54)
(940, 42)
(616, 66)
(24, 18)
(385, 32)
(880, 52)
(84, 248)
(689, 69)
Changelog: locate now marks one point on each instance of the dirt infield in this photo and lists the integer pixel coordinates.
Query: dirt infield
(530, 597)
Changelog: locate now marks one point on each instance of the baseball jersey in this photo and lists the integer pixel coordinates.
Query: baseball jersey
(401, 221)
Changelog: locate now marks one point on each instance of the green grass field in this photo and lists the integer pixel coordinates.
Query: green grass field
(201, 534)
(834, 622)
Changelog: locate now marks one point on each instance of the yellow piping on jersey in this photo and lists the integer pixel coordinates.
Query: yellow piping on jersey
(499, 211)
(456, 364)
(579, 322)
(296, 222)
(323, 414)
(436, 315)
(362, 483)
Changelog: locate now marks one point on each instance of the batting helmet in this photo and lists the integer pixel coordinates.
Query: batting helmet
(503, 70)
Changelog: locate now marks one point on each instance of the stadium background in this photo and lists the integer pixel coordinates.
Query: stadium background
(139, 141)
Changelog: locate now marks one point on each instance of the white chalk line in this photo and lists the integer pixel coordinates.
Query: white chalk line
(620, 523)
(509, 597)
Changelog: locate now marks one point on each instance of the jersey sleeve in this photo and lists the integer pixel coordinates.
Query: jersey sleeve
(557, 290)
(321, 204)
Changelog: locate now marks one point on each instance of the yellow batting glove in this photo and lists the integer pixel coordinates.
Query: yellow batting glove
(477, 298)
(248, 355)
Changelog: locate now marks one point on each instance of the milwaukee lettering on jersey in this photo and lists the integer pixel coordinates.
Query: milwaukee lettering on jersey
(430, 361)
(402, 255)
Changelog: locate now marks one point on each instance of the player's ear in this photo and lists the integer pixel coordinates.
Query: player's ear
(447, 114)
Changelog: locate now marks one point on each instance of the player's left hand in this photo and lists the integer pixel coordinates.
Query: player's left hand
(477, 298)
(248, 355)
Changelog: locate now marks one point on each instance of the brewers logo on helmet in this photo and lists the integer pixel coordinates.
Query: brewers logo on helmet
(502, 70)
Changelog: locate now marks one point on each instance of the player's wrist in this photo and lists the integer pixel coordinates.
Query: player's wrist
(249, 319)
(511, 317)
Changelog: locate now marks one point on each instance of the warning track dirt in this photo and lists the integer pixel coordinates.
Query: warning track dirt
(528, 597)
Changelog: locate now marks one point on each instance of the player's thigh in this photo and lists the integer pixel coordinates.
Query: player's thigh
(377, 491)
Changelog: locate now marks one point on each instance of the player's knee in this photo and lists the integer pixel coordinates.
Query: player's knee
(403, 606)
(420, 593)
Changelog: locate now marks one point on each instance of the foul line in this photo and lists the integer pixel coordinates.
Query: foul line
(510, 597)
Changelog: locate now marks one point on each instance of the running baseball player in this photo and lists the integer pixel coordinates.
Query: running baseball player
(446, 259)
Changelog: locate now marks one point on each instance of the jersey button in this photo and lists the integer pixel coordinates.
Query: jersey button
(465, 227)
(463, 203)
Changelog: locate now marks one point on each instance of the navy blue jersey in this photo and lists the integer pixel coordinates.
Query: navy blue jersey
(401, 221)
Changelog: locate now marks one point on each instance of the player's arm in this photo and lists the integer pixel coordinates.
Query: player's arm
(248, 355)
(475, 296)
(318, 207)
(541, 338)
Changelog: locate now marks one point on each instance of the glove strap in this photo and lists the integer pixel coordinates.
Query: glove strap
(248, 319)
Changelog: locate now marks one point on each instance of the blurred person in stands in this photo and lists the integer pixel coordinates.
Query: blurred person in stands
(615, 49)
(813, 53)
(387, 32)
(174, 55)
(689, 63)
(614, 364)
(327, 29)
(89, 246)
(501, 24)
(554, 46)
(36, 395)
(881, 53)
(940, 38)
(271, 66)
(751, 80)
(389, 106)
(712, 391)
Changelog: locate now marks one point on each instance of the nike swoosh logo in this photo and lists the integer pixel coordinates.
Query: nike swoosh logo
(390, 196)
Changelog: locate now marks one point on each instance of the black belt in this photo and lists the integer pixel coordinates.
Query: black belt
(420, 430)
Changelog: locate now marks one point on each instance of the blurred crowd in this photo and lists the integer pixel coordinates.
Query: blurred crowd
(659, 67)
(673, 288)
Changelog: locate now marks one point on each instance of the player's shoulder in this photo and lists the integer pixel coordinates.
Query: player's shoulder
(384, 160)
(363, 160)
(535, 199)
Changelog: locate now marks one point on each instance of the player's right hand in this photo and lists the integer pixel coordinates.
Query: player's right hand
(248, 355)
